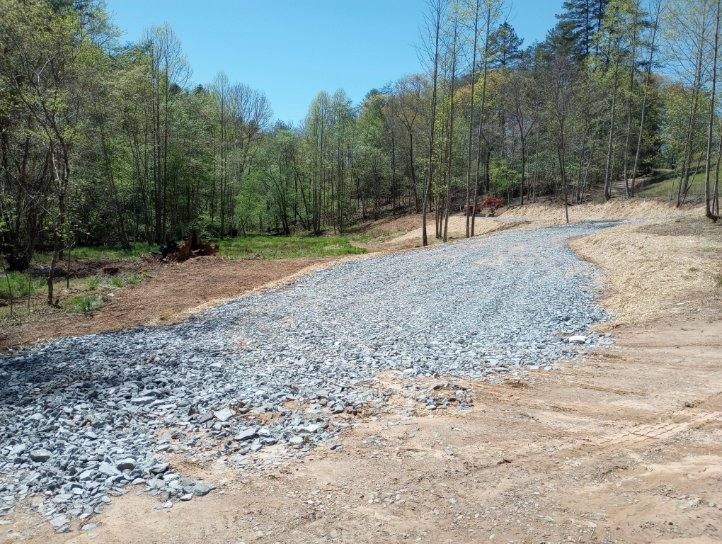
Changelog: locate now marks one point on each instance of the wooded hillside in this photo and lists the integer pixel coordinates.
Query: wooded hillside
(103, 142)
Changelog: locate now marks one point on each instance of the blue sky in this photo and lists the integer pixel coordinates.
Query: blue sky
(291, 49)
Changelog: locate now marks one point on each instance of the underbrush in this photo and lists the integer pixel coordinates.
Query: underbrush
(99, 282)
(23, 296)
(102, 253)
(85, 304)
(239, 247)
(16, 286)
(288, 247)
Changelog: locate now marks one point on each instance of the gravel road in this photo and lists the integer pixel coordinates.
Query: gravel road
(83, 418)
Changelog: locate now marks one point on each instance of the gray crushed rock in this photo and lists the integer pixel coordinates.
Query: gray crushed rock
(83, 419)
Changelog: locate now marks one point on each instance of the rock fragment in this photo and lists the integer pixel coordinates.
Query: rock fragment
(224, 415)
(40, 455)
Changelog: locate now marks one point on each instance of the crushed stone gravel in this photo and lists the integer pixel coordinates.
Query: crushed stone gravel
(84, 418)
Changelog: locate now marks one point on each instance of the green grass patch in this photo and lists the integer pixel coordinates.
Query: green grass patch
(84, 304)
(102, 253)
(16, 285)
(287, 247)
(93, 283)
(133, 279)
(99, 282)
(670, 186)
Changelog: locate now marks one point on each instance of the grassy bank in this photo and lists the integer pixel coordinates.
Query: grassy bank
(664, 189)
(20, 292)
(288, 247)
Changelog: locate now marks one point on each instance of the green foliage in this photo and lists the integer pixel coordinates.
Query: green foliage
(503, 177)
(84, 304)
(287, 247)
(505, 46)
(677, 100)
(151, 158)
(108, 253)
(16, 285)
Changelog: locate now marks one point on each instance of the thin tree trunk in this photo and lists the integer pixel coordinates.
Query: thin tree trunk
(429, 174)
(61, 173)
(468, 211)
(715, 193)
(628, 132)
(710, 125)
(684, 180)
(450, 154)
(417, 203)
(645, 94)
(610, 143)
(480, 133)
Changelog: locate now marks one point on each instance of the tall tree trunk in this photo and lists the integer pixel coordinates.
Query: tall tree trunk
(480, 134)
(450, 153)
(468, 211)
(432, 122)
(61, 174)
(715, 192)
(684, 180)
(523, 170)
(645, 94)
(708, 195)
(412, 167)
(610, 142)
(630, 91)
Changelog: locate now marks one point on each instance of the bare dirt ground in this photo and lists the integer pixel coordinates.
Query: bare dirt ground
(622, 445)
(169, 292)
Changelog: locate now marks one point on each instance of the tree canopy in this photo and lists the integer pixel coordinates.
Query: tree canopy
(108, 144)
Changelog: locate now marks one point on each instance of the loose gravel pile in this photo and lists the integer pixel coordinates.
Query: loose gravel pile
(83, 418)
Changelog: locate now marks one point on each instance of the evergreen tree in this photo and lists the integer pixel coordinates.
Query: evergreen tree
(505, 47)
(578, 24)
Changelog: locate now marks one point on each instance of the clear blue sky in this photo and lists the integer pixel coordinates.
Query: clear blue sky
(292, 49)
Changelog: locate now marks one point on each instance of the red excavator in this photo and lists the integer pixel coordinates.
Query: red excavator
(491, 203)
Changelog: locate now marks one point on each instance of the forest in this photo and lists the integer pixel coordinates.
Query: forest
(104, 142)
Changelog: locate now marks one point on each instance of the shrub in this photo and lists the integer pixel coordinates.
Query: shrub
(503, 177)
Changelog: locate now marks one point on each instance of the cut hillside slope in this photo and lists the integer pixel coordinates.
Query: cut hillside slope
(633, 209)
(405, 232)
(659, 269)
